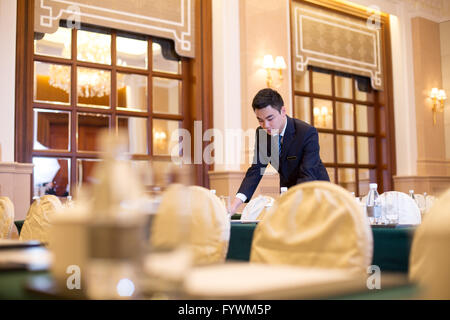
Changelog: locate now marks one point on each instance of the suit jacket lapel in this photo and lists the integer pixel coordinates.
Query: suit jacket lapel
(288, 137)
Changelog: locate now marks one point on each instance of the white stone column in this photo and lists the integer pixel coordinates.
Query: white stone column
(226, 79)
(8, 14)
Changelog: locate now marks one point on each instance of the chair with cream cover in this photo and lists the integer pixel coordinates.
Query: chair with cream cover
(206, 219)
(6, 217)
(315, 224)
(37, 222)
(429, 263)
(407, 208)
(257, 208)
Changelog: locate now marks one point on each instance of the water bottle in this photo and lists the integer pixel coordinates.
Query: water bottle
(411, 194)
(373, 205)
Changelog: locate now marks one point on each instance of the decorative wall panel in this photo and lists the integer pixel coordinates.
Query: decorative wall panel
(172, 19)
(330, 40)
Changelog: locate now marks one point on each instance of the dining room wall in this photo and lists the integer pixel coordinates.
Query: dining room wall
(8, 12)
(420, 160)
(444, 30)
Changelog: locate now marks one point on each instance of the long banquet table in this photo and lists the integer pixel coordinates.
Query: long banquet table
(391, 254)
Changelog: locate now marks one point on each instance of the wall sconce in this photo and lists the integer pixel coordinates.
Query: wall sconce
(320, 116)
(438, 97)
(269, 65)
(159, 136)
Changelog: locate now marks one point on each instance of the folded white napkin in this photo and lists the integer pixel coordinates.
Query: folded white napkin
(254, 208)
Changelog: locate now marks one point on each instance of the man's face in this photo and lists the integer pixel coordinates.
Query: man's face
(270, 119)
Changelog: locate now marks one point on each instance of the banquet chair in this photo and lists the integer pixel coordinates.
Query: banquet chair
(6, 217)
(196, 216)
(315, 224)
(407, 208)
(37, 221)
(429, 263)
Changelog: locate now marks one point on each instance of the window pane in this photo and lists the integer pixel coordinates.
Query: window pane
(162, 64)
(162, 133)
(132, 92)
(166, 96)
(347, 179)
(93, 87)
(51, 176)
(322, 83)
(52, 130)
(326, 144)
(365, 119)
(366, 150)
(51, 83)
(301, 81)
(323, 113)
(85, 171)
(302, 109)
(331, 174)
(344, 116)
(132, 53)
(366, 176)
(89, 127)
(136, 129)
(93, 47)
(345, 149)
(57, 44)
(343, 87)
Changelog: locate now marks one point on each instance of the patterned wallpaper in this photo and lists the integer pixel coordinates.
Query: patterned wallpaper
(171, 19)
(335, 41)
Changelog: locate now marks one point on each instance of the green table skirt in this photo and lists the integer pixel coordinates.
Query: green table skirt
(390, 252)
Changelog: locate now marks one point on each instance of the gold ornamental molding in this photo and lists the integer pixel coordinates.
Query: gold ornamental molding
(170, 19)
(336, 41)
(437, 8)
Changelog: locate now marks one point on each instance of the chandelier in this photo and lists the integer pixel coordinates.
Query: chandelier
(92, 47)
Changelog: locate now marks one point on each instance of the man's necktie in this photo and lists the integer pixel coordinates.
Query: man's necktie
(279, 144)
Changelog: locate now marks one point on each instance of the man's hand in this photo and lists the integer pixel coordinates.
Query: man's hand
(235, 205)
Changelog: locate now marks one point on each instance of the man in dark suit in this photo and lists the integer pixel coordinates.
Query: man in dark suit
(290, 145)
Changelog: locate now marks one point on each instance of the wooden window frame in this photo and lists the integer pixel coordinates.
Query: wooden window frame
(380, 99)
(196, 77)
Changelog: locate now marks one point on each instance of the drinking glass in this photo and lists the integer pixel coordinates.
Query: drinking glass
(226, 202)
(391, 208)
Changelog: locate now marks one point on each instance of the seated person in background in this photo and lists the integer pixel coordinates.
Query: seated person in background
(290, 145)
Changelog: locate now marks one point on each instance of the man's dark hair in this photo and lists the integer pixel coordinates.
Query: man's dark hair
(267, 97)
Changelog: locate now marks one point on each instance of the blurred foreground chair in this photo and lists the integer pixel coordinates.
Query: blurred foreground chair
(37, 221)
(315, 224)
(257, 208)
(429, 264)
(6, 217)
(196, 216)
(407, 208)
